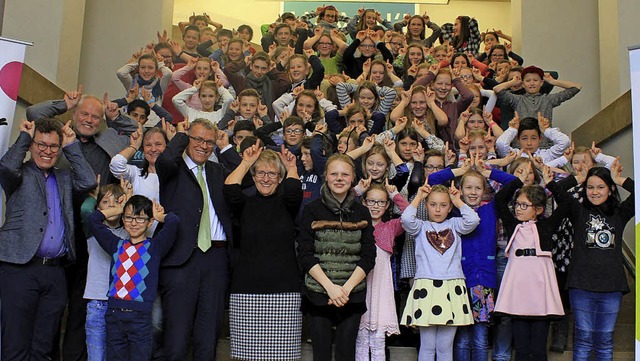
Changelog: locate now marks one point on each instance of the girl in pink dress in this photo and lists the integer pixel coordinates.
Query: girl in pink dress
(529, 290)
(380, 320)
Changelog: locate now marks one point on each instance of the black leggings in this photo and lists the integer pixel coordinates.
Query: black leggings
(346, 320)
(530, 339)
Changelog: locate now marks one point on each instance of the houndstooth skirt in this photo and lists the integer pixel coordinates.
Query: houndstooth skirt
(265, 326)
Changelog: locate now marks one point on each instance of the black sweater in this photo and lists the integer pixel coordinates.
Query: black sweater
(267, 262)
(597, 263)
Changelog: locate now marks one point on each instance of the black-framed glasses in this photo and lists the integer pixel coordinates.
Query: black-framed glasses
(271, 175)
(523, 206)
(325, 44)
(139, 220)
(373, 202)
(431, 168)
(202, 141)
(44, 146)
(371, 46)
(293, 131)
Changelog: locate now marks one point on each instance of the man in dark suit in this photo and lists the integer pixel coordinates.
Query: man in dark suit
(194, 275)
(36, 239)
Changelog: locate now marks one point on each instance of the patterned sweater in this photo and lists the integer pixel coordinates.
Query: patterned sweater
(133, 283)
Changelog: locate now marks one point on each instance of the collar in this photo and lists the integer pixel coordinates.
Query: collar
(189, 162)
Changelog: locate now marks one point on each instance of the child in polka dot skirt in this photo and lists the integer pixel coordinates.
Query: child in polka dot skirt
(438, 301)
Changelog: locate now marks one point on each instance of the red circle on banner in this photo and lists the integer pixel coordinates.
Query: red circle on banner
(10, 79)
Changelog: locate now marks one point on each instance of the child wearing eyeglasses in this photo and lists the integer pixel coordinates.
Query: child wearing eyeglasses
(135, 265)
(380, 320)
(529, 292)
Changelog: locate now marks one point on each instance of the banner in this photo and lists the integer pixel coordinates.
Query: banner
(634, 67)
(11, 61)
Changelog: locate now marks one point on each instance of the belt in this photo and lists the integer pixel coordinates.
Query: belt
(46, 261)
(525, 252)
(218, 244)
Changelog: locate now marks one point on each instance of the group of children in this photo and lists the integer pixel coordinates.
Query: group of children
(449, 145)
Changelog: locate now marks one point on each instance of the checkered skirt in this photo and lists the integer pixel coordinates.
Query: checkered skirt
(265, 326)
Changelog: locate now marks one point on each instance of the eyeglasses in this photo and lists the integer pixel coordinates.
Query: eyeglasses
(373, 202)
(395, 43)
(466, 76)
(293, 131)
(371, 46)
(139, 220)
(523, 206)
(325, 44)
(271, 175)
(44, 146)
(202, 141)
(434, 167)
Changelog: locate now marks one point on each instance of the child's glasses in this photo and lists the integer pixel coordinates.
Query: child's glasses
(523, 206)
(373, 202)
(139, 220)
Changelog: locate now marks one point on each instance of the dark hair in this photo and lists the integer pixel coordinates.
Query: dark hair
(140, 205)
(529, 124)
(535, 194)
(465, 34)
(614, 198)
(244, 27)
(406, 63)
(499, 47)
(149, 56)
(281, 26)
(48, 125)
(537, 178)
(224, 32)
(147, 133)
(244, 125)
(317, 111)
(191, 28)
(261, 55)
(424, 25)
(293, 120)
(138, 103)
(160, 46)
(433, 153)
(287, 16)
(327, 145)
(407, 132)
(200, 18)
(457, 55)
(248, 142)
(495, 35)
(324, 9)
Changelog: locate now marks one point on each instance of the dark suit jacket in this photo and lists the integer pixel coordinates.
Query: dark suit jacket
(180, 194)
(26, 207)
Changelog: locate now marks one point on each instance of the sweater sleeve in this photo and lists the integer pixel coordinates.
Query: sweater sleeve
(410, 222)
(167, 234)
(468, 222)
(120, 169)
(503, 143)
(107, 240)
(124, 75)
(386, 95)
(180, 100)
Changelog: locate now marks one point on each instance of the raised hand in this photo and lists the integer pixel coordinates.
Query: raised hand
(389, 187)
(363, 185)
(423, 192)
(147, 96)
(262, 109)
(135, 139)
(413, 70)
(361, 35)
(158, 212)
(27, 127)
(547, 174)
(616, 172)
(568, 153)
(251, 154)
(594, 150)
(68, 135)
(490, 141)
(418, 154)
(515, 122)
(297, 90)
(487, 117)
(543, 123)
(128, 191)
(434, 68)
(235, 105)
(133, 93)
(183, 126)
(111, 110)
(288, 159)
(466, 165)
(168, 128)
(309, 52)
(72, 97)
(454, 194)
(463, 144)
(222, 139)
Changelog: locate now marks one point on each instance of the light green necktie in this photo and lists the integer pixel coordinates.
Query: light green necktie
(204, 231)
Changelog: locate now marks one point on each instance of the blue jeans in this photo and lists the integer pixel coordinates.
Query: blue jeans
(595, 315)
(502, 334)
(472, 343)
(129, 335)
(96, 330)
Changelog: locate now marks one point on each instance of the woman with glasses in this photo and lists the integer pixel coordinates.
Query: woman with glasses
(369, 43)
(264, 316)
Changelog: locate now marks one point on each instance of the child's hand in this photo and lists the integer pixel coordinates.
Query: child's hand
(168, 128)
(235, 105)
(257, 122)
(454, 194)
(423, 192)
(580, 173)
(490, 141)
(158, 212)
(127, 188)
(464, 144)
(616, 172)
(222, 139)
(262, 109)
(418, 154)
(512, 155)
(389, 146)
(547, 174)
(568, 153)
(543, 123)
(515, 122)
(487, 117)
(450, 155)
(135, 139)
(594, 150)
(434, 68)
(478, 163)
(288, 159)
(466, 165)
(363, 185)
(390, 187)
(94, 193)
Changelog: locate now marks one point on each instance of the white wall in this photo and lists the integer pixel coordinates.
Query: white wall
(114, 30)
(555, 36)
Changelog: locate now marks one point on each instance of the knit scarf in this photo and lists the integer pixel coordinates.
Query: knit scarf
(334, 205)
(152, 84)
(262, 86)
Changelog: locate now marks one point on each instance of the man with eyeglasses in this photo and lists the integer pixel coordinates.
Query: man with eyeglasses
(99, 141)
(194, 275)
(37, 238)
